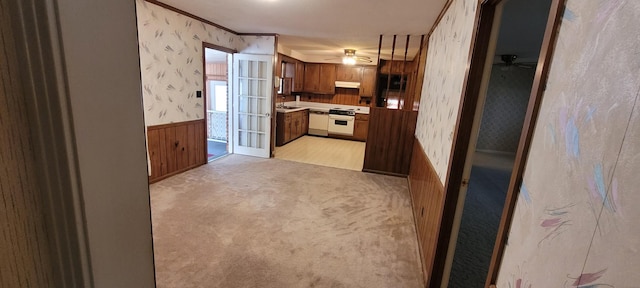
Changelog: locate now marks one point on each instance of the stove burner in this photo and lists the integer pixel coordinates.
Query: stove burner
(342, 111)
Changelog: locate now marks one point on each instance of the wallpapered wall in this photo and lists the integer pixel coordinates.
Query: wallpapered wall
(576, 221)
(171, 61)
(505, 108)
(447, 58)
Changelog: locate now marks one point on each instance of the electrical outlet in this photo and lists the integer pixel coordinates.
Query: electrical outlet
(198, 94)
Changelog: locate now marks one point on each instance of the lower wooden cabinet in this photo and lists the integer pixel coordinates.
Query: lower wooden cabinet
(291, 125)
(361, 127)
(175, 148)
(305, 122)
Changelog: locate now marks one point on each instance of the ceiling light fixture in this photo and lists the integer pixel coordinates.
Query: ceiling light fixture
(349, 57)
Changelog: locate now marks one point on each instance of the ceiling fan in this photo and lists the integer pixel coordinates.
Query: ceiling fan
(508, 60)
(350, 57)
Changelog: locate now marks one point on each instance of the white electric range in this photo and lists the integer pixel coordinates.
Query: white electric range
(341, 121)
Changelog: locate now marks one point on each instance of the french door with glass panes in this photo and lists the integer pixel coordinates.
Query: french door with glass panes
(252, 89)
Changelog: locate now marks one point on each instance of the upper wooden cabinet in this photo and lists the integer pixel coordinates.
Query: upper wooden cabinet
(311, 77)
(327, 78)
(319, 78)
(368, 82)
(289, 70)
(348, 73)
(298, 79)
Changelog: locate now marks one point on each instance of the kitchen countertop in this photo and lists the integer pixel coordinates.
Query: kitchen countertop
(288, 110)
(313, 106)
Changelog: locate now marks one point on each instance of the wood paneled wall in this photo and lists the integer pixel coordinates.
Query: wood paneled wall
(427, 196)
(390, 141)
(216, 71)
(24, 252)
(175, 148)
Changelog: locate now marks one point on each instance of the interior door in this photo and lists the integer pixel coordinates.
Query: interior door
(252, 93)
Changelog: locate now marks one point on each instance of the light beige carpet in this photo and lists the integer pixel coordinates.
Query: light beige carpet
(250, 222)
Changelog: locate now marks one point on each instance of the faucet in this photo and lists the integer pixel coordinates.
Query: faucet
(281, 105)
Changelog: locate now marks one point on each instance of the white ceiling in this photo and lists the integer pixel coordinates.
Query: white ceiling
(320, 30)
(315, 30)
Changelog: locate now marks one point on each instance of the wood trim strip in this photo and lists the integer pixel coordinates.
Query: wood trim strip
(216, 47)
(404, 65)
(471, 87)
(185, 13)
(440, 16)
(204, 92)
(258, 34)
(174, 124)
(393, 51)
(535, 100)
(274, 95)
(384, 172)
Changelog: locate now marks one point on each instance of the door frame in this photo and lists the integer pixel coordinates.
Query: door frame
(464, 128)
(206, 45)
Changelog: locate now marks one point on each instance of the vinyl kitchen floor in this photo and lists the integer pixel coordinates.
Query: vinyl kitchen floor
(322, 151)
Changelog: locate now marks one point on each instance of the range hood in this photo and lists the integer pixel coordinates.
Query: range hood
(344, 84)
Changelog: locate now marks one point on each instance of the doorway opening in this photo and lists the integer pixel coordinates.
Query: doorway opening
(217, 102)
(502, 111)
(502, 48)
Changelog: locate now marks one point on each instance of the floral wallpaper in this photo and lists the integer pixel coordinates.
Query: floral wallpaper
(576, 221)
(447, 60)
(171, 61)
(505, 108)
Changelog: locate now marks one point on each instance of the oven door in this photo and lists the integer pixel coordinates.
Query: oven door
(341, 124)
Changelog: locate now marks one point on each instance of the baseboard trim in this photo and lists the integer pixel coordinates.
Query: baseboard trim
(384, 173)
(154, 180)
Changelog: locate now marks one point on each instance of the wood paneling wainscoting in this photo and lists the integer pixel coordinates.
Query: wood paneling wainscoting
(216, 71)
(175, 148)
(390, 141)
(427, 197)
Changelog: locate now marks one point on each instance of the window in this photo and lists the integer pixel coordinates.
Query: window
(219, 96)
